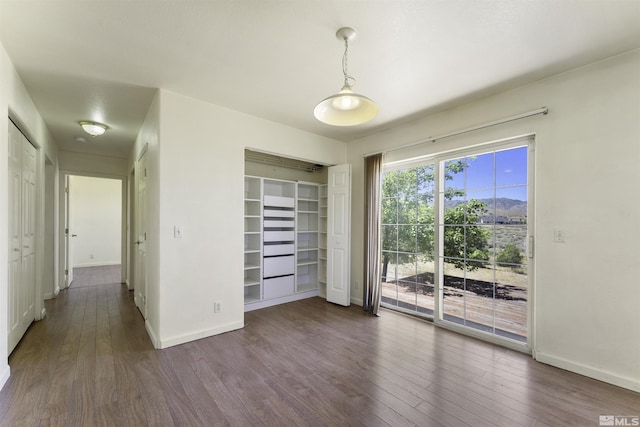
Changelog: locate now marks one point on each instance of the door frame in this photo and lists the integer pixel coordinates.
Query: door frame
(124, 237)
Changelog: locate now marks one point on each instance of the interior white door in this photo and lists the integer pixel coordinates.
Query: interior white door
(22, 230)
(339, 234)
(141, 230)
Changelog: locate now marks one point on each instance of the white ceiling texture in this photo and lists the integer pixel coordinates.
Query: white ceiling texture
(102, 60)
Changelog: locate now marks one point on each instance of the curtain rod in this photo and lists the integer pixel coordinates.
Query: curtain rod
(543, 111)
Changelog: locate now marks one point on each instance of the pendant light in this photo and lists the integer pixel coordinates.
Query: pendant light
(346, 108)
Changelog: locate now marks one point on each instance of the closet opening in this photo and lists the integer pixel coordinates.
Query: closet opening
(286, 237)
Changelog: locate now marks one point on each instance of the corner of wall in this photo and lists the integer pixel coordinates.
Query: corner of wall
(4, 376)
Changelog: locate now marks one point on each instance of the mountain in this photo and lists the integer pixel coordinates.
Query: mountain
(503, 206)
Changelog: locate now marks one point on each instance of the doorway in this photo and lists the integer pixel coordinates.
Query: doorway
(94, 231)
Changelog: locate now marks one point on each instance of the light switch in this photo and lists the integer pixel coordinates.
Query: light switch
(558, 235)
(177, 232)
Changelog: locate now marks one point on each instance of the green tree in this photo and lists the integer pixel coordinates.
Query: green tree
(408, 216)
(509, 255)
(464, 238)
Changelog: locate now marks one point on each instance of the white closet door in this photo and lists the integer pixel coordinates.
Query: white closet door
(339, 235)
(22, 224)
(141, 229)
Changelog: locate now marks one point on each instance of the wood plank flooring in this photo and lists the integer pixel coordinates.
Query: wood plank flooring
(90, 362)
(96, 276)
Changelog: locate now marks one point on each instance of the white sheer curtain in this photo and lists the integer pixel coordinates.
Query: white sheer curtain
(373, 189)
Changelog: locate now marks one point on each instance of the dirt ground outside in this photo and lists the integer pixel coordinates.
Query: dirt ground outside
(488, 299)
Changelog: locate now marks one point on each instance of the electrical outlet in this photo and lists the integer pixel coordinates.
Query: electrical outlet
(558, 235)
(178, 232)
(217, 306)
(357, 284)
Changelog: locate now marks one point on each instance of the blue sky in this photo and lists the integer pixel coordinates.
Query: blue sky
(507, 170)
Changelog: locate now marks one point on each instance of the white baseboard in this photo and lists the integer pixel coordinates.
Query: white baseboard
(97, 264)
(588, 371)
(200, 334)
(282, 300)
(4, 377)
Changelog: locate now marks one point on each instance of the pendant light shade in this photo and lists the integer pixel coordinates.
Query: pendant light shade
(346, 108)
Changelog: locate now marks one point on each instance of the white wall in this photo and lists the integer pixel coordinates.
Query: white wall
(96, 207)
(199, 182)
(587, 316)
(148, 139)
(15, 102)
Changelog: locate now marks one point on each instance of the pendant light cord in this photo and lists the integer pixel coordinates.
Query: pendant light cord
(345, 64)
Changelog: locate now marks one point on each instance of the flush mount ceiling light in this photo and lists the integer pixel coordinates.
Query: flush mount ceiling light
(346, 108)
(93, 128)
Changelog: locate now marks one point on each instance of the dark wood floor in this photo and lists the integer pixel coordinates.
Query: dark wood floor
(96, 276)
(90, 362)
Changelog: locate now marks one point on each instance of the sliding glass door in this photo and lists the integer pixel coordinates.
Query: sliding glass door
(483, 223)
(460, 223)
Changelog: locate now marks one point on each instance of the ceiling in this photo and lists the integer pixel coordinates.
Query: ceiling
(276, 59)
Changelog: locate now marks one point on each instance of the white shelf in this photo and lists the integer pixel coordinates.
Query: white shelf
(248, 282)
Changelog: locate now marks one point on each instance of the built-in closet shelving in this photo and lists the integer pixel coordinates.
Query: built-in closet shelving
(307, 237)
(322, 240)
(284, 242)
(252, 239)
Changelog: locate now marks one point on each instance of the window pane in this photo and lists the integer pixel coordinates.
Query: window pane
(454, 211)
(425, 285)
(407, 209)
(454, 241)
(454, 177)
(480, 171)
(484, 200)
(511, 205)
(511, 241)
(389, 211)
(425, 239)
(478, 243)
(511, 166)
(511, 302)
(426, 183)
(407, 238)
(389, 265)
(389, 237)
(390, 184)
(453, 292)
(407, 295)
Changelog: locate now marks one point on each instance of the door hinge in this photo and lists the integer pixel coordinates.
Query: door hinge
(66, 231)
(145, 172)
(66, 190)
(531, 247)
(66, 272)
